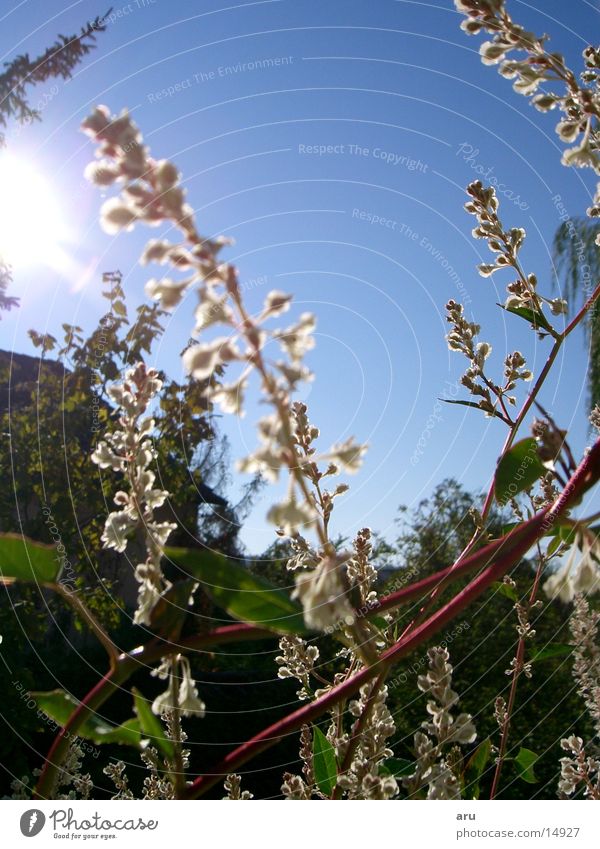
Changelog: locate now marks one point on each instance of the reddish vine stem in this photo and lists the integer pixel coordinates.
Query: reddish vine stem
(46, 785)
(586, 474)
(528, 403)
(276, 732)
(498, 556)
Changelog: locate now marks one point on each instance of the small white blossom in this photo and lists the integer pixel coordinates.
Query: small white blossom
(323, 596)
(580, 572)
(182, 693)
(277, 303)
(213, 309)
(116, 216)
(230, 397)
(201, 360)
(290, 515)
(188, 701)
(106, 458)
(348, 455)
(169, 293)
(117, 526)
(156, 250)
(265, 461)
(101, 173)
(297, 340)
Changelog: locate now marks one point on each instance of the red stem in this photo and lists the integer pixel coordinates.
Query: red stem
(514, 545)
(519, 541)
(46, 786)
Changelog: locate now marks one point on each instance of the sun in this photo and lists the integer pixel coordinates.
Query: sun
(31, 223)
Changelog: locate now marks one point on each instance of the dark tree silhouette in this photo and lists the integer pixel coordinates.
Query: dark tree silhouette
(57, 61)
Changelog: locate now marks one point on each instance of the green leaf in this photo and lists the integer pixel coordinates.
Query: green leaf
(562, 534)
(505, 589)
(537, 319)
(553, 546)
(470, 404)
(23, 559)
(324, 765)
(151, 726)
(59, 705)
(379, 622)
(475, 767)
(517, 470)
(555, 650)
(526, 760)
(244, 596)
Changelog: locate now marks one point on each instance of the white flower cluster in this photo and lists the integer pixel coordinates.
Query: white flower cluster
(523, 298)
(359, 569)
(129, 450)
(462, 338)
(578, 769)
(362, 780)
(443, 730)
(586, 657)
(151, 193)
(297, 660)
(506, 244)
(581, 571)
(233, 789)
(304, 556)
(579, 104)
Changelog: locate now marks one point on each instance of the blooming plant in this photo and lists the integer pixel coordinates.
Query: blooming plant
(345, 725)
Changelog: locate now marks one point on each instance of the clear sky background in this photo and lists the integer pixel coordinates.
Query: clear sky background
(397, 79)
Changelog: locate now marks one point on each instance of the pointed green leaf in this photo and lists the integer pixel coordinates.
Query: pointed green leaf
(475, 767)
(506, 590)
(562, 534)
(517, 470)
(324, 765)
(23, 559)
(526, 760)
(244, 596)
(59, 705)
(537, 319)
(470, 404)
(151, 726)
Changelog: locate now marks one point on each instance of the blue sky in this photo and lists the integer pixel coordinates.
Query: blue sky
(334, 141)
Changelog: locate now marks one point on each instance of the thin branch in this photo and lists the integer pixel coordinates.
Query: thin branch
(88, 617)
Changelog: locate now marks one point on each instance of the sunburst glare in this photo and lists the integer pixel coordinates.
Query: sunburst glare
(32, 226)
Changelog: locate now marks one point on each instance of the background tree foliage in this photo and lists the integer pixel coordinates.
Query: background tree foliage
(52, 412)
(576, 259)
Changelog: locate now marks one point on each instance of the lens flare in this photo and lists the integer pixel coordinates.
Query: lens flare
(32, 228)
